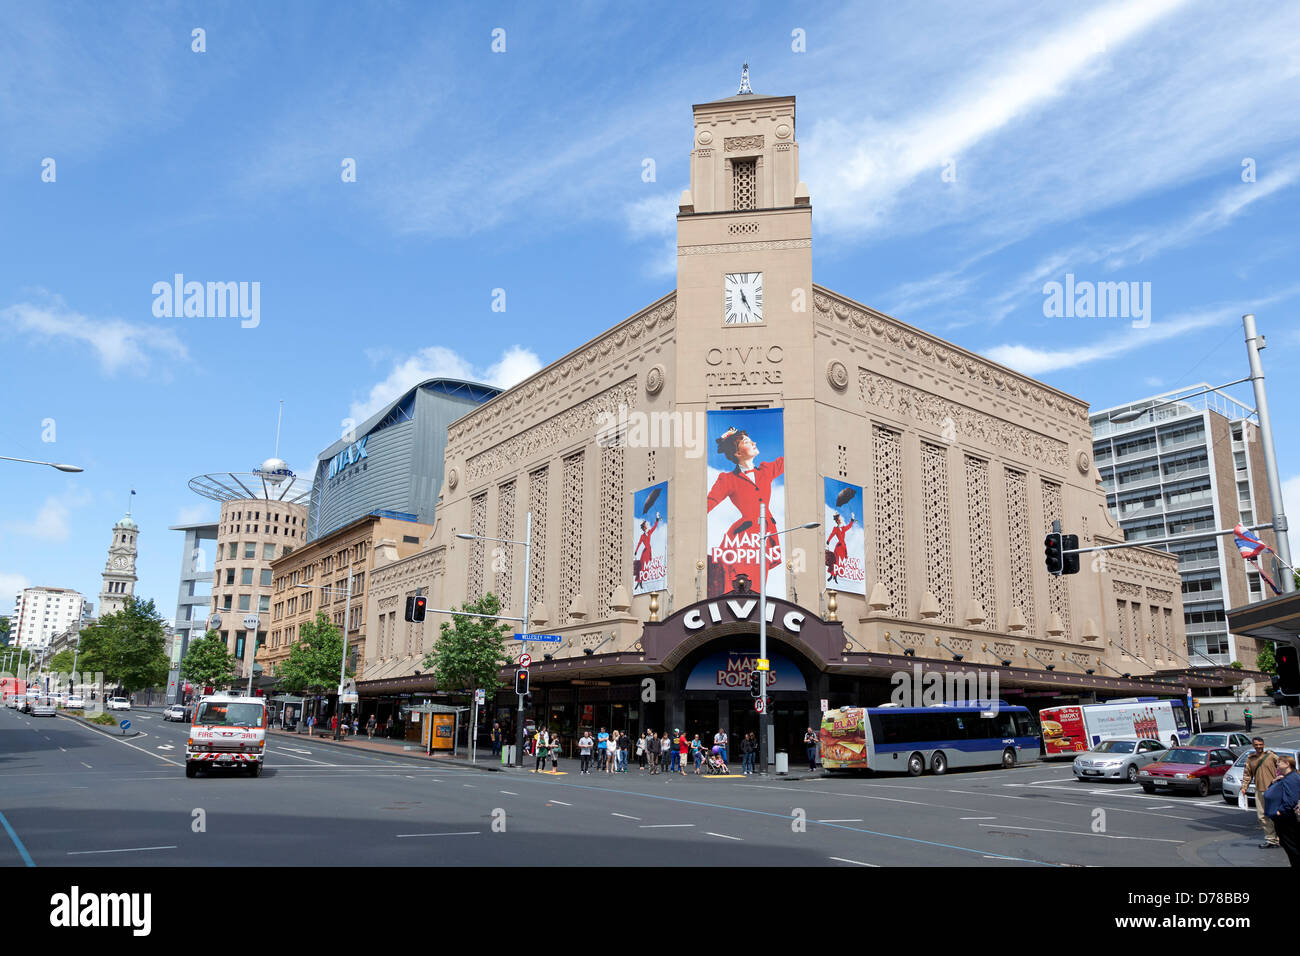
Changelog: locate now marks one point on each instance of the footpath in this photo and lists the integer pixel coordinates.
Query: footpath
(484, 760)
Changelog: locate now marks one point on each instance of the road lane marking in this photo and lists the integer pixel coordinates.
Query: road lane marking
(850, 820)
(665, 826)
(296, 750)
(321, 763)
(1108, 836)
(403, 836)
(469, 786)
(86, 765)
(22, 850)
(130, 849)
(979, 818)
(64, 749)
(723, 835)
(510, 793)
(840, 859)
(560, 802)
(623, 815)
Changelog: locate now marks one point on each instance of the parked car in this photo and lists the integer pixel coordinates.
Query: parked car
(177, 712)
(75, 702)
(118, 703)
(44, 707)
(1119, 758)
(14, 702)
(1188, 768)
(1237, 743)
(1232, 779)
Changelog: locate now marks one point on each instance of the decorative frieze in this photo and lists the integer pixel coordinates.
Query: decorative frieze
(732, 144)
(719, 248)
(575, 422)
(876, 391)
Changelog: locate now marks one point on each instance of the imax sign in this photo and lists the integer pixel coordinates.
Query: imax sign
(348, 456)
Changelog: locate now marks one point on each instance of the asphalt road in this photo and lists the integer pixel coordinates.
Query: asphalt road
(74, 797)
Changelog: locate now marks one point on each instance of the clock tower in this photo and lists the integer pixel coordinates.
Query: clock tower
(119, 569)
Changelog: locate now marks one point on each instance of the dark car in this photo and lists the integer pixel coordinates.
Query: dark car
(1188, 768)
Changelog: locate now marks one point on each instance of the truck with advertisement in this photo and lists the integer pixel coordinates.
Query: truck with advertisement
(228, 731)
(1079, 728)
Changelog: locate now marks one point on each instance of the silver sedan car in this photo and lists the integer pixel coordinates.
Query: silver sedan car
(1232, 779)
(1119, 758)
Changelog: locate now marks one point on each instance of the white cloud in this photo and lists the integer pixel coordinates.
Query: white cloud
(51, 523)
(1290, 493)
(11, 585)
(516, 364)
(117, 344)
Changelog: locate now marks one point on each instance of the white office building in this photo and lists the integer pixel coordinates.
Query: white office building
(42, 613)
(1193, 464)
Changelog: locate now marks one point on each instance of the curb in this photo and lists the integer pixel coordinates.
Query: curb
(414, 755)
(100, 728)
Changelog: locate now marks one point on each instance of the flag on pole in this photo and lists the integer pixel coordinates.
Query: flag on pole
(1249, 545)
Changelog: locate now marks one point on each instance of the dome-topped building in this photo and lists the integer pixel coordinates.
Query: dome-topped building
(119, 570)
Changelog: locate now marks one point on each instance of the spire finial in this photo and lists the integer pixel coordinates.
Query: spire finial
(744, 80)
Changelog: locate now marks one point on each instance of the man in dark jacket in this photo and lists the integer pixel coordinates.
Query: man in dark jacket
(1280, 802)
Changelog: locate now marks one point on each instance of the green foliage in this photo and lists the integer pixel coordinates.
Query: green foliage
(5, 635)
(1264, 660)
(313, 663)
(207, 662)
(61, 663)
(1237, 665)
(127, 646)
(470, 651)
(105, 719)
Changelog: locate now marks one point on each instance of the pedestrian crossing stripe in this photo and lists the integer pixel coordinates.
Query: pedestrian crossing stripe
(723, 776)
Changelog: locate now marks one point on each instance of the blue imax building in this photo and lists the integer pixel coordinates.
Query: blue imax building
(392, 464)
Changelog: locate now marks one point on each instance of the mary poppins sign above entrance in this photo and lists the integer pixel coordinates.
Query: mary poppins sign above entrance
(725, 610)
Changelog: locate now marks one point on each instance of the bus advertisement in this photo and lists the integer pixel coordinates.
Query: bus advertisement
(11, 687)
(1079, 728)
(916, 739)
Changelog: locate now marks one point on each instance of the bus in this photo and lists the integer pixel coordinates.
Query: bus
(1080, 727)
(916, 739)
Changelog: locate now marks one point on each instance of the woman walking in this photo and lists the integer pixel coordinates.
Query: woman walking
(541, 744)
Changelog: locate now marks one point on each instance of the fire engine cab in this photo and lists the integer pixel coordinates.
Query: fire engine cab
(228, 731)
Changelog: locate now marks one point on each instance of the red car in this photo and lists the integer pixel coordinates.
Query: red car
(1188, 768)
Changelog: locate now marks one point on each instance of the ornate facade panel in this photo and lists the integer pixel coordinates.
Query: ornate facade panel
(891, 545)
(1139, 645)
(744, 184)
(504, 560)
(1121, 610)
(1022, 573)
(538, 482)
(938, 526)
(1058, 588)
(571, 505)
(982, 561)
(577, 422)
(946, 417)
(612, 527)
(478, 526)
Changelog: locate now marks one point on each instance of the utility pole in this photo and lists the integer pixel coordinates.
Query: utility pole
(1253, 345)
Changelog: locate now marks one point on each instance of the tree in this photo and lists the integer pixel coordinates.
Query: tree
(314, 659)
(4, 631)
(128, 647)
(1264, 660)
(470, 651)
(61, 663)
(207, 662)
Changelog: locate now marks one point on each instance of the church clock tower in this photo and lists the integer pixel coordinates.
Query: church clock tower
(119, 569)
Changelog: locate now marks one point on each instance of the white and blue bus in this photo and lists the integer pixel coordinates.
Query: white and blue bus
(914, 739)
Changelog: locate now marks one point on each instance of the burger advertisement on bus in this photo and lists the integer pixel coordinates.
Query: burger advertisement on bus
(1063, 730)
(843, 738)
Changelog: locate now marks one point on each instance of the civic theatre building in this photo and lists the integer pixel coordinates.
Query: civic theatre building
(647, 456)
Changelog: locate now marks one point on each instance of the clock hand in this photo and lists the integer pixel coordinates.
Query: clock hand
(744, 300)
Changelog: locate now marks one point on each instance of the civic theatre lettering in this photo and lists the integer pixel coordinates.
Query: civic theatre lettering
(744, 365)
(350, 455)
(739, 609)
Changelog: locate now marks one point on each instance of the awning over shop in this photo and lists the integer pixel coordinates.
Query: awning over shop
(1276, 619)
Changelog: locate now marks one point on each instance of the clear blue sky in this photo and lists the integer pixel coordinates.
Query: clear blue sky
(958, 156)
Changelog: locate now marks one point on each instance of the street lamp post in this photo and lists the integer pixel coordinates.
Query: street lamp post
(764, 718)
(528, 551)
(52, 464)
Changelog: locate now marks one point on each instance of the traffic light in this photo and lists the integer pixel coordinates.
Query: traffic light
(521, 681)
(1069, 542)
(756, 684)
(415, 609)
(1286, 682)
(1052, 547)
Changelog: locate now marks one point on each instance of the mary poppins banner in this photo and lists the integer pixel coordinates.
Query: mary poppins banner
(746, 469)
(845, 544)
(650, 539)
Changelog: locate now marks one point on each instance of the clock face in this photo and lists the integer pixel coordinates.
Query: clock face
(743, 298)
(119, 562)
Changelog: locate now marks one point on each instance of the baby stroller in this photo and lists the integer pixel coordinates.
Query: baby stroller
(713, 762)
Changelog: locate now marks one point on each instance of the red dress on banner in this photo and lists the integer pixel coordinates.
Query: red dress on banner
(642, 555)
(837, 554)
(746, 489)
